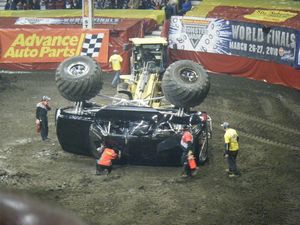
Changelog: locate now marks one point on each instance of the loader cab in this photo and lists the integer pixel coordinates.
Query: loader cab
(148, 64)
(149, 54)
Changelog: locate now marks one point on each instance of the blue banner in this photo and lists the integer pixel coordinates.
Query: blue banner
(297, 58)
(277, 44)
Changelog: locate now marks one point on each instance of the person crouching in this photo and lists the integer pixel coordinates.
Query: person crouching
(104, 163)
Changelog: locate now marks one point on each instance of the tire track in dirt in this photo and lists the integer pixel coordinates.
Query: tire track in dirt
(266, 140)
(256, 119)
(19, 142)
(260, 125)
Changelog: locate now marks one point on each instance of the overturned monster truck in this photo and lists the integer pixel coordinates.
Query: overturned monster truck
(139, 121)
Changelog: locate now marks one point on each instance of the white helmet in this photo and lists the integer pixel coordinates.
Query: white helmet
(225, 125)
(46, 98)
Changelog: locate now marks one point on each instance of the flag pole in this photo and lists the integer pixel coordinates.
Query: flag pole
(87, 14)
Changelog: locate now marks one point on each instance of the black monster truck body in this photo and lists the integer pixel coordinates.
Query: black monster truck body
(145, 136)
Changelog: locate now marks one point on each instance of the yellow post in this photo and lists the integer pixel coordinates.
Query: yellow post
(87, 14)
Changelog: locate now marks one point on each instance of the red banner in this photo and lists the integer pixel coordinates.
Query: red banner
(39, 45)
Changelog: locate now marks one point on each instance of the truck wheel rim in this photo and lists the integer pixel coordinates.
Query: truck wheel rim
(203, 147)
(78, 69)
(203, 150)
(188, 75)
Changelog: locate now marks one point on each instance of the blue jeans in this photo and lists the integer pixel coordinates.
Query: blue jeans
(232, 155)
(116, 79)
(44, 129)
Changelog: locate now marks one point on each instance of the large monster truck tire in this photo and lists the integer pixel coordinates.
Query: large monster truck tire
(79, 78)
(185, 84)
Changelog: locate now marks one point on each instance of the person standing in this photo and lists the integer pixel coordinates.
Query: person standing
(171, 8)
(104, 164)
(186, 144)
(231, 140)
(8, 5)
(133, 4)
(115, 62)
(42, 109)
(185, 7)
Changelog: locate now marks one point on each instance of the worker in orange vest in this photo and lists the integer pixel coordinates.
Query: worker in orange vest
(187, 158)
(104, 164)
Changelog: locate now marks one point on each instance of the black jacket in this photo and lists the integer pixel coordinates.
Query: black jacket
(41, 111)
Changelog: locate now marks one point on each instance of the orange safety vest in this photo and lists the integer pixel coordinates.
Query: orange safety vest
(106, 157)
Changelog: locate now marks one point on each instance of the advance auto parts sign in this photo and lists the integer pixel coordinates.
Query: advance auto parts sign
(36, 45)
(234, 38)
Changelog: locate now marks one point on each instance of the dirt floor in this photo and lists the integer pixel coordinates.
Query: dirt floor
(266, 116)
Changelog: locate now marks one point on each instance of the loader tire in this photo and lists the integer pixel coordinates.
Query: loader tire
(79, 78)
(185, 84)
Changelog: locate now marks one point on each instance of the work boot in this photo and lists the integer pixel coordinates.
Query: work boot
(227, 171)
(195, 171)
(232, 175)
(106, 172)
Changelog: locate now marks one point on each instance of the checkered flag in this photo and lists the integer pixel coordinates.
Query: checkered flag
(92, 44)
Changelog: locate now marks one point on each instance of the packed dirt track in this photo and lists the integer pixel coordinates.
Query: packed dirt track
(267, 118)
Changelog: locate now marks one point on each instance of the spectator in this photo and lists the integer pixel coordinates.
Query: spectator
(102, 4)
(8, 5)
(35, 4)
(98, 4)
(185, 7)
(155, 4)
(43, 4)
(24, 4)
(134, 4)
(159, 4)
(20, 6)
(13, 5)
(69, 4)
(163, 3)
(171, 8)
(18, 209)
(77, 4)
(50, 4)
(121, 4)
(179, 4)
(116, 4)
(145, 4)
